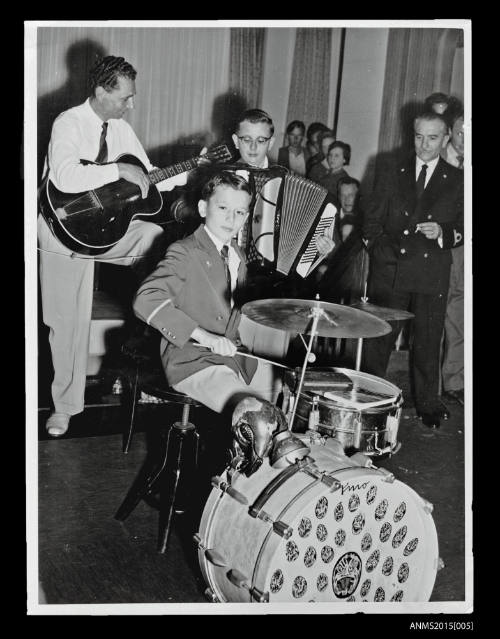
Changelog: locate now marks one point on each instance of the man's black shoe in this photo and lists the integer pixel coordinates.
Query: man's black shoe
(431, 420)
(442, 411)
(456, 396)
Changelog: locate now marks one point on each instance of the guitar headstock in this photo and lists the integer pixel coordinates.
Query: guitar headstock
(216, 155)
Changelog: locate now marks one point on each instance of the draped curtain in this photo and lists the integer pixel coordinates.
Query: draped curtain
(246, 62)
(310, 84)
(181, 75)
(419, 62)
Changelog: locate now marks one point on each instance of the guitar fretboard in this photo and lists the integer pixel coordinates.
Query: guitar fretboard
(162, 174)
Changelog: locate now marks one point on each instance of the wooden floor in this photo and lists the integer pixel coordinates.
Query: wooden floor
(88, 557)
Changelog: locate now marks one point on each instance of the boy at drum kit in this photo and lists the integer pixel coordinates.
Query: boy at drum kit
(190, 299)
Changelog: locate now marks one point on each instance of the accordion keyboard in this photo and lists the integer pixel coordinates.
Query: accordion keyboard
(309, 259)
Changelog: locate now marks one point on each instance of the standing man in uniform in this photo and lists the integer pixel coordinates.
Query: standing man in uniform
(414, 220)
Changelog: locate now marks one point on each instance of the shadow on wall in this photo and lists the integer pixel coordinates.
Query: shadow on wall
(80, 57)
(226, 109)
(380, 162)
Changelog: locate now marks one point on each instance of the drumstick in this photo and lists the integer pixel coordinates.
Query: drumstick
(262, 359)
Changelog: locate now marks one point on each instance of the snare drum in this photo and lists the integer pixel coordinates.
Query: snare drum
(322, 529)
(363, 415)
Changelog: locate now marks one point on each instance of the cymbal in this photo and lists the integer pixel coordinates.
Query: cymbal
(382, 312)
(296, 316)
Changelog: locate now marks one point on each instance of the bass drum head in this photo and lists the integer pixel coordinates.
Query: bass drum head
(371, 540)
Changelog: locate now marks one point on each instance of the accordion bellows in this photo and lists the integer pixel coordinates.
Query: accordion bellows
(290, 212)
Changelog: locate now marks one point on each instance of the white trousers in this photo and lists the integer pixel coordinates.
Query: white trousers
(219, 387)
(67, 282)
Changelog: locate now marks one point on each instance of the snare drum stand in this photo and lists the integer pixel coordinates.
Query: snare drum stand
(359, 348)
(316, 313)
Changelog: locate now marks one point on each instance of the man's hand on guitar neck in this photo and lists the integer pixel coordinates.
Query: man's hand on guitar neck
(134, 174)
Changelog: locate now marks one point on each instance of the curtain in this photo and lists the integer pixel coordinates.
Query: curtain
(182, 75)
(310, 85)
(419, 62)
(246, 63)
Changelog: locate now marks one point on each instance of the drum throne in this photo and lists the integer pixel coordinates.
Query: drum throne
(176, 460)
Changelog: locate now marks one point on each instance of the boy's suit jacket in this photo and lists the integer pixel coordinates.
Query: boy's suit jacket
(186, 291)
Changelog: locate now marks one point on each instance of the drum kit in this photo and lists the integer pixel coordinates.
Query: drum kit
(330, 526)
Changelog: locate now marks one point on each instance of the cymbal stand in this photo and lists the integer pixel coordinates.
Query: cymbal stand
(359, 348)
(316, 313)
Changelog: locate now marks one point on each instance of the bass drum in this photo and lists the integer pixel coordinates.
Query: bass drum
(323, 529)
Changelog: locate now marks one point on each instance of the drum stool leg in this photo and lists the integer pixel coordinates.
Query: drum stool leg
(131, 406)
(144, 485)
(181, 465)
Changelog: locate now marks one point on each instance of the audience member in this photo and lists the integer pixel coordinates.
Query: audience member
(342, 276)
(453, 360)
(319, 165)
(313, 131)
(445, 105)
(294, 156)
(338, 156)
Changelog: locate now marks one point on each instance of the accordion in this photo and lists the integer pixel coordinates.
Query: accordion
(289, 214)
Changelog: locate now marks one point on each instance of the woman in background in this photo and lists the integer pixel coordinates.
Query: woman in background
(338, 156)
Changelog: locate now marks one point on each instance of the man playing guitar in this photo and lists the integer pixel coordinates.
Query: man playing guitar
(94, 132)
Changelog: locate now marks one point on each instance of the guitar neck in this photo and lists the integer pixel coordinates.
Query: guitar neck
(162, 174)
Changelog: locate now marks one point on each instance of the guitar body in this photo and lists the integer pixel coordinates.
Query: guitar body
(91, 222)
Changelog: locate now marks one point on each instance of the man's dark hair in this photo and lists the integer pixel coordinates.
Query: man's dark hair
(296, 124)
(255, 116)
(347, 180)
(107, 70)
(346, 150)
(314, 127)
(225, 178)
(435, 98)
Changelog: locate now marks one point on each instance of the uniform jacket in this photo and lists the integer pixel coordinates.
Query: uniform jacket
(406, 259)
(186, 291)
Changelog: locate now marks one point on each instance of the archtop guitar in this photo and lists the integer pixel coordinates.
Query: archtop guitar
(91, 222)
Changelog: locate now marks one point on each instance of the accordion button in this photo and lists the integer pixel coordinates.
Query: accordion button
(429, 217)
(426, 255)
(403, 251)
(406, 232)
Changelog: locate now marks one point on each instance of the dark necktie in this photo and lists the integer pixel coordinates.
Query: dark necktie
(460, 160)
(225, 258)
(102, 156)
(421, 180)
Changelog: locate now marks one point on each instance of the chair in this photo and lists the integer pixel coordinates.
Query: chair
(179, 447)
